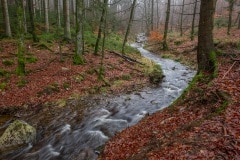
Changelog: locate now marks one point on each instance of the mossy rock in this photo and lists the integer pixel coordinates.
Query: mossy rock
(50, 89)
(18, 133)
(156, 75)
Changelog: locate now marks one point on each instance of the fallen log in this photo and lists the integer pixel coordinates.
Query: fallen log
(129, 59)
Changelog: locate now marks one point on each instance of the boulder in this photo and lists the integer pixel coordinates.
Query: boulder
(18, 133)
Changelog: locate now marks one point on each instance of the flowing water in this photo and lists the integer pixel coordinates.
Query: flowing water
(65, 137)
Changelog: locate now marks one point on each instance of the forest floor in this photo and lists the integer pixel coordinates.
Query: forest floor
(51, 76)
(205, 121)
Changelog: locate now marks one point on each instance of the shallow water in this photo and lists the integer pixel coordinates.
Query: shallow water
(63, 135)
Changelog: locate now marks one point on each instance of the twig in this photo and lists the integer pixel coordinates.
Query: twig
(129, 59)
(229, 69)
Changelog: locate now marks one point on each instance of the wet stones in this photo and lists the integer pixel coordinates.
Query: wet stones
(18, 133)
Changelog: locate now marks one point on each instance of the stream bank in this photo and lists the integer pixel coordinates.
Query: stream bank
(62, 134)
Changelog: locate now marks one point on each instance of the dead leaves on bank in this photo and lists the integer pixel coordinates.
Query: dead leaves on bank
(205, 126)
(53, 76)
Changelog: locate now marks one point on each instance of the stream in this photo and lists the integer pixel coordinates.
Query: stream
(66, 137)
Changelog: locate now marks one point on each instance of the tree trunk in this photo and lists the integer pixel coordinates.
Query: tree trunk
(24, 16)
(129, 26)
(78, 57)
(30, 9)
(46, 15)
(20, 33)
(165, 46)
(205, 54)
(67, 31)
(231, 4)
(239, 20)
(99, 31)
(57, 2)
(152, 16)
(6, 18)
(193, 20)
(181, 22)
(100, 74)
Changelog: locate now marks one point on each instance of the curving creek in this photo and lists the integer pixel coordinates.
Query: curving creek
(62, 135)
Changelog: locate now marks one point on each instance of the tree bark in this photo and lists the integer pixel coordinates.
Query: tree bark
(181, 22)
(231, 4)
(67, 31)
(6, 18)
(31, 16)
(205, 54)
(101, 71)
(129, 26)
(46, 15)
(100, 29)
(20, 33)
(57, 3)
(78, 59)
(193, 20)
(165, 46)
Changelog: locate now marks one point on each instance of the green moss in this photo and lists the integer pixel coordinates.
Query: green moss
(77, 59)
(8, 62)
(156, 75)
(3, 85)
(3, 72)
(79, 78)
(66, 85)
(177, 43)
(213, 60)
(22, 83)
(31, 59)
(126, 77)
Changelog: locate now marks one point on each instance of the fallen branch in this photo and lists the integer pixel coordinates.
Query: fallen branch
(129, 59)
(229, 70)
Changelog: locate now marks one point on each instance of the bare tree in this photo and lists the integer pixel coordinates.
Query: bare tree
(6, 18)
(67, 31)
(31, 16)
(46, 15)
(78, 57)
(193, 20)
(205, 54)
(231, 5)
(181, 21)
(165, 46)
(129, 26)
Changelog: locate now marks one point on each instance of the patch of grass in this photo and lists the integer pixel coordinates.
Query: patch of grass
(166, 56)
(3, 72)
(3, 85)
(31, 59)
(78, 60)
(66, 85)
(178, 42)
(8, 62)
(91, 71)
(79, 78)
(50, 89)
(126, 77)
(22, 83)
(118, 82)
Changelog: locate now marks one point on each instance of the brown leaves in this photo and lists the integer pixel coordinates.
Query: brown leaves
(50, 70)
